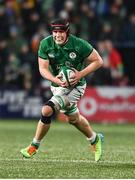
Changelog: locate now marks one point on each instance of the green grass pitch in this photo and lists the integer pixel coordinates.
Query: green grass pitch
(65, 153)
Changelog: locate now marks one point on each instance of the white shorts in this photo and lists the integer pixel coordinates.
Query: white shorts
(73, 95)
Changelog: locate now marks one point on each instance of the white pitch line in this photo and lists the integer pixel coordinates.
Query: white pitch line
(69, 161)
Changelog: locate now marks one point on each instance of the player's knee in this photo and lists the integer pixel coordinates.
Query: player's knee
(48, 112)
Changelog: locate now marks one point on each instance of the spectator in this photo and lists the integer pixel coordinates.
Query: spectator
(90, 24)
(12, 72)
(3, 59)
(128, 34)
(106, 31)
(114, 62)
(41, 32)
(15, 40)
(112, 72)
(28, 67)
(102, 76)
(4, 23)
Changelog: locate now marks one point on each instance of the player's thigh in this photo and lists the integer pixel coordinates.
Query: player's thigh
(59, 91)
(75, 95)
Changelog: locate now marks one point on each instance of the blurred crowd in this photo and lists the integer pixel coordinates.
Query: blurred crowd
(23, 23)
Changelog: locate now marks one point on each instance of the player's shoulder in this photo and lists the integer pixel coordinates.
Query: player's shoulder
(80, 44)
(74, 38)
(46, 43)
(78, 40)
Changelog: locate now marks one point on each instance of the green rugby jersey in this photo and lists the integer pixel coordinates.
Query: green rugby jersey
(71, 54)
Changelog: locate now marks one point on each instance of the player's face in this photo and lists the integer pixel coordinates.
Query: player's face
(59, 36)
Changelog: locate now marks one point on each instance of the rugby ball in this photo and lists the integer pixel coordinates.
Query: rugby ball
(66, 74)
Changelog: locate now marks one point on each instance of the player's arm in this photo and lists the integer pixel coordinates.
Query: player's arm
(93, 62)
(45, 72)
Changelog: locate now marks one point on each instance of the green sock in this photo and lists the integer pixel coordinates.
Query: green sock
(95, 141)
(35, 143)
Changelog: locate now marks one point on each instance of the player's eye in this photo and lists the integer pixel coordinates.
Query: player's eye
(56, 31)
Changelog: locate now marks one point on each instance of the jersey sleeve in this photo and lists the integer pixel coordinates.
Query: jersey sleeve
(42, 51)
(86, 49)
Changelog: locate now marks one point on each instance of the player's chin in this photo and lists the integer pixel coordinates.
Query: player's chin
(59, 42)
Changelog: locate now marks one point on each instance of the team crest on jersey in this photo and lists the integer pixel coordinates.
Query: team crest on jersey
(72, 55)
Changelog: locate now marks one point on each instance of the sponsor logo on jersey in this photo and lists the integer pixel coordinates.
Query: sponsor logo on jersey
(51, 55)
(72, 55)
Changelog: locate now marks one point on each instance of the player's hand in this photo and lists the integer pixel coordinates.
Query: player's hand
(59, 82)
(76, 78)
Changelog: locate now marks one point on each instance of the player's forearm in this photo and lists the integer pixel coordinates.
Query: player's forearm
(94, 61)
(91, 67)
(45, 73)
(49, 76)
